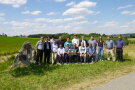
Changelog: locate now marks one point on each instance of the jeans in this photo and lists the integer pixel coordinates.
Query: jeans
(119, 52)
(47, 55)
(91, 59)
(100, 53)
(61, 59)
(66, 60)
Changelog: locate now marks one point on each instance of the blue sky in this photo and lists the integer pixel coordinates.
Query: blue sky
(72, 16)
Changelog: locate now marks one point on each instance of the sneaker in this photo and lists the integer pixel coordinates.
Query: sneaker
(91, 63)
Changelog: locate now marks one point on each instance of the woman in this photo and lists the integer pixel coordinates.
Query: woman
(100, 45)
(82, 51)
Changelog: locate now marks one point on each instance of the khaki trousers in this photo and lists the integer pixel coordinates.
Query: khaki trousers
(110, 53)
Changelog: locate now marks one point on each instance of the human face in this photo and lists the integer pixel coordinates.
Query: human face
(60, 46)
(82, 44)
(120, 38)
(83, 37)
(108, 38)
(55, 42)
(42, 38)
(68, 39)
(90, 45)
(60, 38)
(75, 36)
(92, 38)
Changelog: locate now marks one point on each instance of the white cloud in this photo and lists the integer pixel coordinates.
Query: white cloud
(32, 12)
(82, 26)
(78, 11)
(2, 14)
(128, 12)
(51, 13)
(85, 4)
(81, 8)
(14, 3)
(48, 20)
(126, 6)
(19, 24)
(59, 0)
(70, 4)
(124, 26)
(110, 24)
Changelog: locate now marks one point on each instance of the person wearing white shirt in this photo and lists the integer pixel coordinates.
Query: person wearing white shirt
(83, 41)
(82, 51)
(60, 53)
(54, 52)
(75, 40)
(52, 40)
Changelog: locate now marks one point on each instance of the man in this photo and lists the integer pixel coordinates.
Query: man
(110, 46)
(47, 51)
(93, 42)
(82, 51)
(75, 41)
(60, 53)
(94, 45)
(91, 54)
(66, 55)
(83, 41)
(52, 40)
(60, 42)
(119, 48)
(68, 43)
(54, 52)
(40, 49)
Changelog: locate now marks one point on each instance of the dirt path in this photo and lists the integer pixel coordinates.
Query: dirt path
(124, 83)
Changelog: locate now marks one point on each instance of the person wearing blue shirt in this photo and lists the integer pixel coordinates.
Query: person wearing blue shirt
(110, 47)
(68, 43)
(91, 54)
(40, 49)
(119, 48)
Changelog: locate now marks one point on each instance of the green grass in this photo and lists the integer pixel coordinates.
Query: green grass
(10, 45)
(53, 77)
(131, 40)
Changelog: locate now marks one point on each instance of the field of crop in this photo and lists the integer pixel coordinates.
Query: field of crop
(56, 77)
(131, 40)
(10, 45)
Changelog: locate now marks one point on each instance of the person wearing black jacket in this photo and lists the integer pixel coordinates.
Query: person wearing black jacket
(47, 51)
(60, 42)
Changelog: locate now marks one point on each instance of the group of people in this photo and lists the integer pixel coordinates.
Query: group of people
(78, 51)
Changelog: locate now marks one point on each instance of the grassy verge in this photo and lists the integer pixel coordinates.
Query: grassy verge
(54, 77)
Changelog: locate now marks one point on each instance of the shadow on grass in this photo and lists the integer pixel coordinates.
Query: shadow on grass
(124, 60)
(33, 70)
